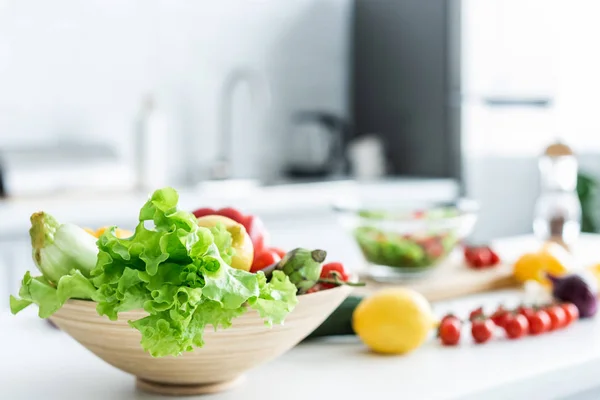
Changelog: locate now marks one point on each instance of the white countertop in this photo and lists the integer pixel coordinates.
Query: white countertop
(39, 362)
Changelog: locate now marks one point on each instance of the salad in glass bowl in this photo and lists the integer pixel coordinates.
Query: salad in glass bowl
(401, 240)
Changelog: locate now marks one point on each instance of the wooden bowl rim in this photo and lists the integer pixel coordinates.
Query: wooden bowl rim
(300, 296)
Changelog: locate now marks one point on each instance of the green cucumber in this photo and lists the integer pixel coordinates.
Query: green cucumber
(339, 323)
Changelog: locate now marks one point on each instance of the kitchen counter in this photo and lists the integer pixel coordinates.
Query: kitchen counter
(39, 362)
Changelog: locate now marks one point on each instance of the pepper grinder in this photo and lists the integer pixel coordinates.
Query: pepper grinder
(558, 210)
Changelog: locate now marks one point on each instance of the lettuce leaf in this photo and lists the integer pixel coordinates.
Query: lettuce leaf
(223, 241)
(277, 298)
(179, 273)
(38, 290)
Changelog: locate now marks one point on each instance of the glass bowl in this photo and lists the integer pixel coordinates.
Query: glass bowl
(406, 240)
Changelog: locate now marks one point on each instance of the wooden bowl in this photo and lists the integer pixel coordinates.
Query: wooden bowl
(225, 357)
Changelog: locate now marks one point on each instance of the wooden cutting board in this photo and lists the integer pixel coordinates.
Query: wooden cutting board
(450, 280)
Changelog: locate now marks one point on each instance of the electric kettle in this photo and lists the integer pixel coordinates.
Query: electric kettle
(317, 145)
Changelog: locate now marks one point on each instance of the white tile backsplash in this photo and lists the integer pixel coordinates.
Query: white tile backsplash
(81, 68)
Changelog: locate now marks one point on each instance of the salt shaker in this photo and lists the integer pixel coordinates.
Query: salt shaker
(558, 210)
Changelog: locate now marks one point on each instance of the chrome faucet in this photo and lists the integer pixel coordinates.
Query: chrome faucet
(222, 167)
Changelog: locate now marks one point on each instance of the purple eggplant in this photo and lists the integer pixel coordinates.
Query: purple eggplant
(575, 289)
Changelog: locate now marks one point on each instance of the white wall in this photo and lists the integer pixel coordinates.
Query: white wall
(70, 67)
(526, 48)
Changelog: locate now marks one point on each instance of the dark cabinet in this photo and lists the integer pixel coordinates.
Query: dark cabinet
(405, 82)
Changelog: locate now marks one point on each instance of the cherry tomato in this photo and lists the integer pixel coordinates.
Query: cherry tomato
(495, 258)
(525, 311)
(480, 257)
(476, 313)
(232, 213)
(264, 259)
(433, 248)
(482, 330)
(450, 330)
(280, 252)
(202, 212)
(317, 288)
(331, 270)
(499, 316)
(448, 316)
(516, 326)
(539, 322)
(558, 317)
(571, 312)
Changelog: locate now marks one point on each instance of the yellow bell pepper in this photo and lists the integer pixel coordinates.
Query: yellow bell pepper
(120, 233)
(241, 242)
(550, 258)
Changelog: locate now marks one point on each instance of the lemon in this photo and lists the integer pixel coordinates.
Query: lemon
(393, 321)
(533, 266)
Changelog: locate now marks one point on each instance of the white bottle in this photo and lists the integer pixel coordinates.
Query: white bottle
(151, 147)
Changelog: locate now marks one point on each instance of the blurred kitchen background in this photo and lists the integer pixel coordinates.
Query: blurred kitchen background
(280, 106)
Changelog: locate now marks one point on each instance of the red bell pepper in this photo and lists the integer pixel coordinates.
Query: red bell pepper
(202, 212)
(280, 252)
(232, 213)
(264, 259)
